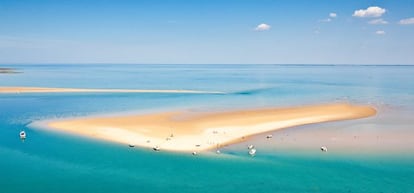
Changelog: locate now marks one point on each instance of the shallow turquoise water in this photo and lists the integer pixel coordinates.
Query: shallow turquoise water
(52, 162)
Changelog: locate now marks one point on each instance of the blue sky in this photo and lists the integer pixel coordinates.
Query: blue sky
(207, 31)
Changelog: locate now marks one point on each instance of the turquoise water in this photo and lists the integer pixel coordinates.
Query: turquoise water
(53, 162)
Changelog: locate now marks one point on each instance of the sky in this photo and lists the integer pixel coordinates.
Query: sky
(207, 31)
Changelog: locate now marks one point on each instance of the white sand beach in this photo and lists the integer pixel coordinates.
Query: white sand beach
(189, 131)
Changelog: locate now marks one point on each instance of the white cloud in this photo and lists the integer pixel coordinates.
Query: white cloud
(330, 18)
(380, 32)
(262, 27)
(325, 20)
(373, 11)
(378, 22)
(407, 21)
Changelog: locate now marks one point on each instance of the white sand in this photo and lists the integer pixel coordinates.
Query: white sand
(185, 131)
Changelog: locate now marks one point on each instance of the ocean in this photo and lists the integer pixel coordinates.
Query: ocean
(368, 155)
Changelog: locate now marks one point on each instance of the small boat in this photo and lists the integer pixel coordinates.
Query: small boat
(22, 135)
(194, 153)
(269, 136)
(218, 151)
(156, 148)
(324, 149)
(131, 145)
(252, 152)
(250, 147)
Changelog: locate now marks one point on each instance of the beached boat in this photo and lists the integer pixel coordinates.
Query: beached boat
(22, 135)
(269, 136)
(252, 152)
(324, 149)
(156, 148)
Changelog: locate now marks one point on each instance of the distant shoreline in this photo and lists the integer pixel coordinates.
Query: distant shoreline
(189, 131)
(8, 71)
(200, 64)
(81, 90)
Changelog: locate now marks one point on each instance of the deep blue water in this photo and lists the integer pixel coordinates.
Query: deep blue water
(53, 162)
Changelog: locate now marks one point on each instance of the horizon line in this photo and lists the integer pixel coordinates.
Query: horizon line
(278, 64)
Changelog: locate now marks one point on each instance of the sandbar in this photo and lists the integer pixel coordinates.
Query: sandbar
(83, 90)
(8, 71)
(199, 131)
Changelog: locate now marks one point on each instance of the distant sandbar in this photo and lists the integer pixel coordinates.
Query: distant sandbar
(82, 90)
(8, 71)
